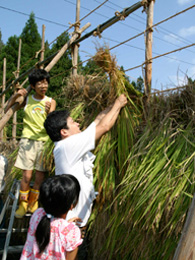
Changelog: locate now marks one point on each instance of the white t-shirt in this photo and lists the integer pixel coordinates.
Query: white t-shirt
(3, 170)
(72, 156)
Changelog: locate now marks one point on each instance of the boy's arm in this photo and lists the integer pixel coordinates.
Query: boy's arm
(108, 120)
(50, 106)
(22, 92)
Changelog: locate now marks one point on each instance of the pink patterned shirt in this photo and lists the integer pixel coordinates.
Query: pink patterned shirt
(64, 236)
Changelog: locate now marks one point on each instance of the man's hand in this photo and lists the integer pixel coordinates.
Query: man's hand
(76, 220)
(122, 100)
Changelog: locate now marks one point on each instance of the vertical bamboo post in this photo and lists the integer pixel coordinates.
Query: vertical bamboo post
(186, 246)
(148, 53)
(3, 97)
(76, 46)
(42, 45)
(14, 128)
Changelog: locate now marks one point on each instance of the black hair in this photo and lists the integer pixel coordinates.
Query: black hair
(54, 122)
(38, 75)
(57, 194)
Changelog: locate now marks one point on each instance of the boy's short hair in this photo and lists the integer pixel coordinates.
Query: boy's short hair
(38, 75)
(54, 122)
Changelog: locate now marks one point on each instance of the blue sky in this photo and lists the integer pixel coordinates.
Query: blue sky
(168, 72)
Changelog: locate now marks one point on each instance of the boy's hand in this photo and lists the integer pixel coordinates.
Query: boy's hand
(47, 106)
(23, 92)
(122, 100)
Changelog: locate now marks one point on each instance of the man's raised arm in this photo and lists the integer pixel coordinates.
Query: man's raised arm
(106, 119)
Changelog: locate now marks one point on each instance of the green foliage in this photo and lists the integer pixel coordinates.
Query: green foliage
(31, 39)
(1, 42)
(10, 52)
(139, 84)
(60, 71)
(31, 43)
(191, 82)
(91, 68)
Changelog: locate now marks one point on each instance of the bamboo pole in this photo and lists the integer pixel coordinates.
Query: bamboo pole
(3, 97)
(111, 21)
(99, 29)
(20, 100)
(17, 80)
(148, 53)
(76, 46)
(65, 47)
(186, 246)
(42, 45)
(14, 127)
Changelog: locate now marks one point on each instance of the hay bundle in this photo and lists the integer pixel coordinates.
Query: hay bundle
(157, 188)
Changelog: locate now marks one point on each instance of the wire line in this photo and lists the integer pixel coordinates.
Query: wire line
(39, 18)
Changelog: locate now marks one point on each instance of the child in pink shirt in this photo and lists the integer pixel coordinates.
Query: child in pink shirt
(50, 236)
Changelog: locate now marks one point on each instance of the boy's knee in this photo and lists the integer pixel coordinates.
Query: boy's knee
(26, 176)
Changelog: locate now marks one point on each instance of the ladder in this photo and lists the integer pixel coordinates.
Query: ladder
(12, 196)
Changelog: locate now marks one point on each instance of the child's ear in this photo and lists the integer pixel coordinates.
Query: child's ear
(71, 207)
(32, 86)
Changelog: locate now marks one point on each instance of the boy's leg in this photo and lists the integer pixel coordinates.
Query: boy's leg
(34, 192)
(26, 178)
(39, 178)
(24, 193)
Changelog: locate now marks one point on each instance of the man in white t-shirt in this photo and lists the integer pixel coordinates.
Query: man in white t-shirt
(72, 150)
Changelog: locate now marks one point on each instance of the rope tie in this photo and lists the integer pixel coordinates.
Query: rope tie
(18, 86)
(145, 5)
(71, 25)
(76, 24)
(97, 33)
(73, 33)
(121, 15)
(16, 73)
(37, 53)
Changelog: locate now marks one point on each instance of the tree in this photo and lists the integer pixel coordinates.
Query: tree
(31, 42)
(91, 67)
(60, 71)
(139, 84)
(1, 42)
(31, 39)
(10, 52)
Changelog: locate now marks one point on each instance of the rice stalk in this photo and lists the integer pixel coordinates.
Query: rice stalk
(152, 195)
(109, 165)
